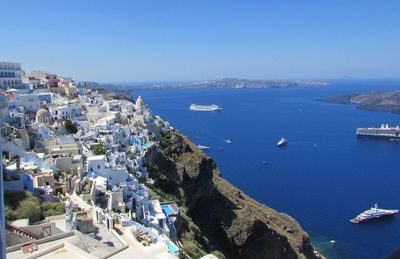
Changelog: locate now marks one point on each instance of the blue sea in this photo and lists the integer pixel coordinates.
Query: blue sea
(323, 177)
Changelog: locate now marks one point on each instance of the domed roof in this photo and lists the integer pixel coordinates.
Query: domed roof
(42, 112)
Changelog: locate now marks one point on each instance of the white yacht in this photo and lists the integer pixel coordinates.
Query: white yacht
(282, 142)
(373, 213)
(203, 147)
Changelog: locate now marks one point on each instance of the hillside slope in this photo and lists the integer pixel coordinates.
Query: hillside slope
(219, 216)
(386, 101)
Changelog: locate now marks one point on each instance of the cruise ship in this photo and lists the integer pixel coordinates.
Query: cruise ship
(208, 108)
(383, 132)
(373, 213)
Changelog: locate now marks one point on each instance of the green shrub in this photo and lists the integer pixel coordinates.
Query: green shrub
(99, 149)
(192, 249)
(9, 214)
(22, 204)
(70, 127)
(165, 139)
(29, 209)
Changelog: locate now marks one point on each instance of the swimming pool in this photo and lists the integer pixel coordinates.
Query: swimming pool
(167, 209)
(172, 248)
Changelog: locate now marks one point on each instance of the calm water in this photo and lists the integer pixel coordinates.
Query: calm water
(324, 177)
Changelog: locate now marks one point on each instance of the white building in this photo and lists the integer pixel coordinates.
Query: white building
(34, 83)
(66, 111)
(38, 74)
(146, 210)
(99, 166)
(10, 75)
(115, 201)
(157, 217)
(113, 105)
(30, 102)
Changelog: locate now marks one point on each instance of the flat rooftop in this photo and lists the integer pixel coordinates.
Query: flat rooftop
(65, 251)
(99, 157)
(75, 239)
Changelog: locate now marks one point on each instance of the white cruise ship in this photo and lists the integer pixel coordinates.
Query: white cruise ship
(208, 108)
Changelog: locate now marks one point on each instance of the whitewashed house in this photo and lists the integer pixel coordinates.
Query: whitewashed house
(99, 166)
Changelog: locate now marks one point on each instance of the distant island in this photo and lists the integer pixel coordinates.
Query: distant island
(382, 101)
(219, 83)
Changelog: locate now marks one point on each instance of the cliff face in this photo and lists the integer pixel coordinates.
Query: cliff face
(224, 218)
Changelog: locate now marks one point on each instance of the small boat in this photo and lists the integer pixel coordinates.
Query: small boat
(282, 142)
(203, 147)
(373, 213)
(228, 141)
(220, 149)
(333, 242)
(264, 162)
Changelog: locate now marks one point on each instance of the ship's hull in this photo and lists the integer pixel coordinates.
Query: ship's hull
(390, 133)
(205, 109)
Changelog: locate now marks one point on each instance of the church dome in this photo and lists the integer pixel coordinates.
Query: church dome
(42, 112)
(43, 115)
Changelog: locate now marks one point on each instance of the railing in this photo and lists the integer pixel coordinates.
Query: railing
(22, 232)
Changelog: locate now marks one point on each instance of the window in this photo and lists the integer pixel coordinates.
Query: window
(98, 167)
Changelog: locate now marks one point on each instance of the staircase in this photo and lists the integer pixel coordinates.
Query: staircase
(21, 232)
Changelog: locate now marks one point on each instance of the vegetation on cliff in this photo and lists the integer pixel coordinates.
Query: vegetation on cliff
(23, 204)
(216, 216)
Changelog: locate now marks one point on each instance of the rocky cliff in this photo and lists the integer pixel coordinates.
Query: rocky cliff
(217, 216)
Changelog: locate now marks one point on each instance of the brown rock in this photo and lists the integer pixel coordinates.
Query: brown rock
(228, 220)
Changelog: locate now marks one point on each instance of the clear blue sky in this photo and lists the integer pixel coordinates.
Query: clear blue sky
(205, 39)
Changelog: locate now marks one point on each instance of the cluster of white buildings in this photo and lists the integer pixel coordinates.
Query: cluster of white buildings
(68, 143)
